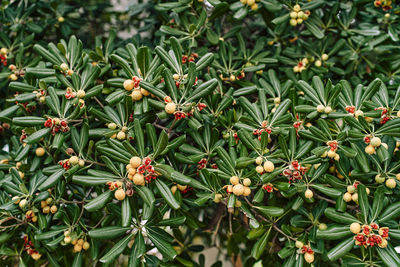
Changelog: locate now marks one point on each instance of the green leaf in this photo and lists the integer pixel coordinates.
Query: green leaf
(99, 202)
(116, 250)
(341, 249)
(167, 194)
(109, 232)
(259, 246)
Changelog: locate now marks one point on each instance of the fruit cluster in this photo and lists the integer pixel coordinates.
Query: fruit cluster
(141, 171)
(56, 125)
(306, 250)
(72, 161)
(351, 194)
(78, 243)
(268, 166)
(46, 208)
(66, 70)
(251, 3)
(370, 235)
(29, 248)
(294, 171)
(297, 16)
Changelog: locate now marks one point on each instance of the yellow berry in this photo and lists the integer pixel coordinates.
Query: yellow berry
(129, 85)
(355, 228)
(269, 166)
(238, 189)
(170, 108)
(135, 162)
(369, 149)
(308, 193)
(138, 179)
(40, 151)
(120, 194)
(320, 108)
(136, 95)
(325, 57)
(246, 182)
(308, 257)
(391, 183)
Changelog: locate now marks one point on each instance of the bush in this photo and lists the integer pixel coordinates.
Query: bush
(267, 129)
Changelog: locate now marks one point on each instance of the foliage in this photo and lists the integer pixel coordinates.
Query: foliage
(268, 129)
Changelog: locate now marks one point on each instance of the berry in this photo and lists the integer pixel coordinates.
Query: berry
(320, 108)
(121, 135)
(136, 95)
(120, 194)
(324, 57)
(259, 169)
(331, 154)
(385, 145)
(81, 163)
(269, 166)
(247, 191)
(351, 189)
(67, 239)
(170, 108)
(173, 189)
(355, 228)
(246, 182)
(13, 77)
(22, 203)
(129, 85)
(182, 187)
(60, 19)
(308, 257)
(299, 20)
(322, 226)
(135, 162)
(299, 244)
(234, 180)
(293, 15)
(77, 248)
(64, 66)
(175, 76)
(354, 197)
(112, 126)
(398, 176)
(40, 151)
(73, 160)
(296, 8)
(259, 160)
(358, 113)
(217, 198)
(80, 94)
(238, 190)
(53, 209)
(308, 194)
(369, 149)
(390, 183)
(375, 141)
(144, 92)
(138, 179)
(70, 72)
(379, 179)
(293, 22)
(328, 109)
(86, 245)
(318, 63)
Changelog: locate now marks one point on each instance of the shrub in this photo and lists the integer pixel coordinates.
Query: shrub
(267, 129)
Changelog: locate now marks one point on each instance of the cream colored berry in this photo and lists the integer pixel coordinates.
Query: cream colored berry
(328, 109)
(129, 85)
(23, 203)
(358, 113)
(86, 245)
(217, 198)
(355, 228)
(320, 108)
(293, 15)
(40, 151)
(325, 57)
(398, 176)
(269, 166)
(182, 187)
(64, 66)
(234, 180)
(173, 189)
(247, 191)
(376, 141)
(308, 194)
(347, 197)
(308, 257)
(259, 160)
(238, 189)
(112, 126)
(385, 145)
(135, 162)
(369, 149)
(136, 95)
(351, 189)
(299, 244)
(144, 92)
(259, 169)
(296, 8)
(170, 108)
(67, 239)
(331, 154)
(121, 135)
(337, 157)
(293, 22)
(175, 76)
(354, 197)
(138, 179)
(391, 183)
(120, 194)
(73, 160)
(246, 182)
(318, 63)
(53, 209)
